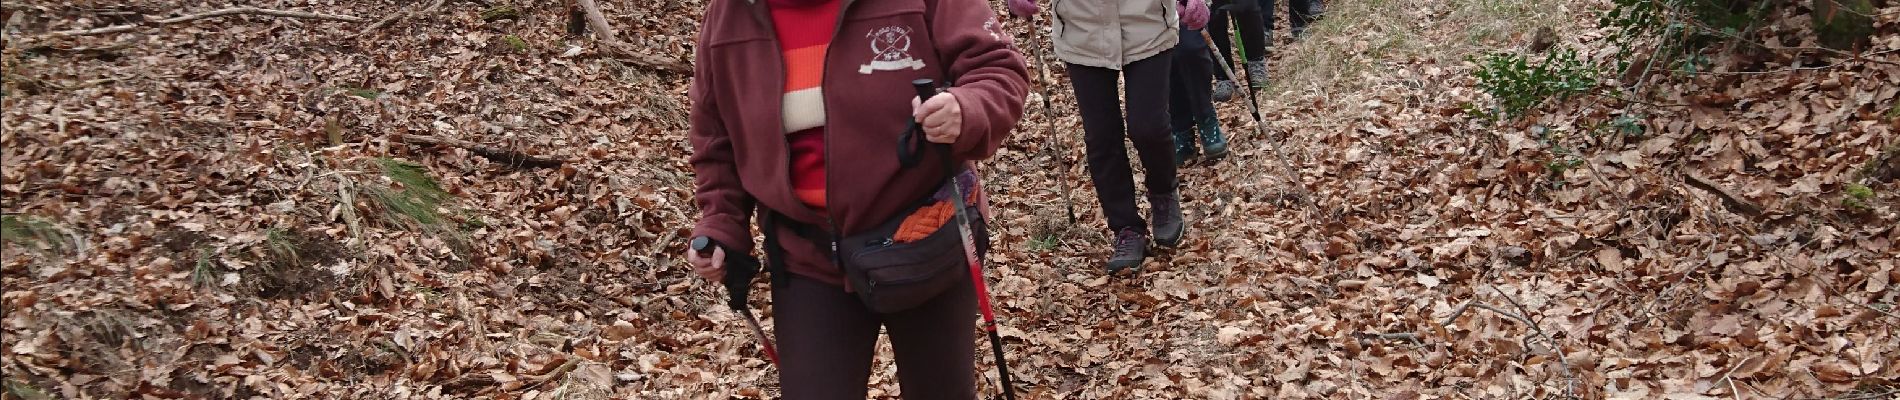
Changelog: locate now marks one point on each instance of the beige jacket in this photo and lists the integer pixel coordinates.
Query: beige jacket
(1113, 33)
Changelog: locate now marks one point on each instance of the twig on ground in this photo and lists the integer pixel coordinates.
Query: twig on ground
(1733, 391)
(208, 14)
(1455, 312)
(398, 16)
(509, 157)
(1730, 198)
(557, 373)
(1570, 379)
(1398, 336)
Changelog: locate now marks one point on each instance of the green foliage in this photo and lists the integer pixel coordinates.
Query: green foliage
(1893, 113)
(366, 93)
(1517, 84)
(31, 232)
(419, 200)
(1681, 29)
(283, 246)
(515, 42)
(500, 12)
(1858, 197)
(1043, 243)
(1628, 125)
(202, 272)
(1634, 19)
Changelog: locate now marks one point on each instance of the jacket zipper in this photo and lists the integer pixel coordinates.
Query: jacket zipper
(765, 19)
(824, 67)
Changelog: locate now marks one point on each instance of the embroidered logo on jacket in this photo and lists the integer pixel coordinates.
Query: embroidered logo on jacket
(891, 44)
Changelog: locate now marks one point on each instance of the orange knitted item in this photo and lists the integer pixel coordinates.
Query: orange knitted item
(927, 220)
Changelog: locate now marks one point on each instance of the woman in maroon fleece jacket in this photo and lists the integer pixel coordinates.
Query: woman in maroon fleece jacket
(797, 109)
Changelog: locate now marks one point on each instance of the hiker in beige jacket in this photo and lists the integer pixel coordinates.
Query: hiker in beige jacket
(1102, 40)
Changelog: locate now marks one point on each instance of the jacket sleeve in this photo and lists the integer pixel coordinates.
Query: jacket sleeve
(725, 209)
(991, 78)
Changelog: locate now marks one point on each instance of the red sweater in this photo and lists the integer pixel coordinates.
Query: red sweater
(742, 157)
(804, 30)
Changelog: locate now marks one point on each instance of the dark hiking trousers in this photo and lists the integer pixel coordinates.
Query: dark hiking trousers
(1247, 15)
(827, 338)
(1190, 97)
(1299, 13)
(1146, 127)
(1259, 13)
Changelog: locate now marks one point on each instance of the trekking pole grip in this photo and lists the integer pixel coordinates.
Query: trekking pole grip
(910, 145)
(927, 88)
(739, 271)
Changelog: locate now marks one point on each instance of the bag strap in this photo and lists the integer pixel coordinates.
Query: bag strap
(774, 252)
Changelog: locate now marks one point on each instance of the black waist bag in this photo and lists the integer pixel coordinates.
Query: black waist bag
(891, 277)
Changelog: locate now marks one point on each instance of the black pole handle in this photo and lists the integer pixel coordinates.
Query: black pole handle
(910, 145)
(740, 269)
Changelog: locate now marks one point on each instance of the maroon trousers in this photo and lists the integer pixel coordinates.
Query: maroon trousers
(827, 338)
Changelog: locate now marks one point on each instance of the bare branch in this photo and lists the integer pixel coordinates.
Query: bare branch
(394, 18)
(1734, 201)
(208, 14)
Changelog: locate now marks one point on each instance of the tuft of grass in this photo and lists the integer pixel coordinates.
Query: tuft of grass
(283, 246)
(203, 272)
(1362, 37)
(418, 200)
(31, 232)
(1893, 113)
(516, 42)
(1043, 243)
(1858, 197)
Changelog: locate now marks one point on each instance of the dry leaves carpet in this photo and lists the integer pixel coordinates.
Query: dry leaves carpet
(237, 207)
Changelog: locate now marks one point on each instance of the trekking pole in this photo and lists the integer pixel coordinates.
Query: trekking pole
(1260, 127)
(926, 89)
(740, 269)
(1048, 112)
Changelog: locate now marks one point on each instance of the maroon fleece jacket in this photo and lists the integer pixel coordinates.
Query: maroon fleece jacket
(740, 156)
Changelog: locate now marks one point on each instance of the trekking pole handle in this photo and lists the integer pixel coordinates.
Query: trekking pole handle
(740, 269)
(926, 88)
(911, 144)
(704, 246)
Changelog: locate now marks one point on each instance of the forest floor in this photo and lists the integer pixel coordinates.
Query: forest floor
(252, 207)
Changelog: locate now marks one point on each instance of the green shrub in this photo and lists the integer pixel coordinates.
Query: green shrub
(1518, 84)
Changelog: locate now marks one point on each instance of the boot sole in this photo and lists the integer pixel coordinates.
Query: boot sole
(1117, 269)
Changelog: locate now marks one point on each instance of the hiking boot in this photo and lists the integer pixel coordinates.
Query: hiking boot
(1169, 226)
(1257, 74)
(1223, 90)
(1212, 140)
(1131, 248)
(1184, 149)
